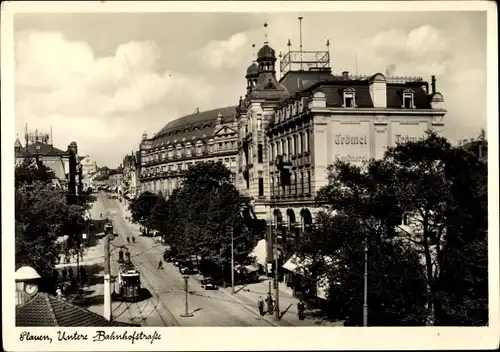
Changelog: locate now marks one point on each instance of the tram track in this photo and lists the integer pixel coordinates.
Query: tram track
(169, 319)
(167, 286)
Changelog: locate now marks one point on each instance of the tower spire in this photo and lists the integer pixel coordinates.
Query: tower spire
(300, 32)
(265, 33)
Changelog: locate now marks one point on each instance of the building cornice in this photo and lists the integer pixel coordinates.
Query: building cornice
(378, 111)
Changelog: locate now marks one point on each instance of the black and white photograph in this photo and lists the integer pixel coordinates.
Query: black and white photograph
(217, 165)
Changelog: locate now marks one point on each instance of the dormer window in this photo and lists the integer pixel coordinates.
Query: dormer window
(408, 99)
(349, 98)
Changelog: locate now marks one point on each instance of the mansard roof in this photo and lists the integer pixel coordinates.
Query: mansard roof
(192, 127)
(304, 83)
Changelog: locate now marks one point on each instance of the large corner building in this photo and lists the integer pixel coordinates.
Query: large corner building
(290, 130)
(284, 133)
(202, 136)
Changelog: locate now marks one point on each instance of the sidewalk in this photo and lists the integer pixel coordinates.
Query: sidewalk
(248, 295)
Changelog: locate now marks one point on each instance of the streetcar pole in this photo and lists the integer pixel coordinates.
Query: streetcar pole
(107, 279)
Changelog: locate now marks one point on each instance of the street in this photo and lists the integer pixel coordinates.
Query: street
(166, 286)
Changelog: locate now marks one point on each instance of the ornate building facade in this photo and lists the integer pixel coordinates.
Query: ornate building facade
(131, 175)
(38, 146)
(202, 136)
(290, 130)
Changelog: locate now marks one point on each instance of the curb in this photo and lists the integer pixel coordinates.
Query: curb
(237, 300)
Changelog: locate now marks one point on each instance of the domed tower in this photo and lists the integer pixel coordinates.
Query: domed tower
(266, 58)
(251, 76)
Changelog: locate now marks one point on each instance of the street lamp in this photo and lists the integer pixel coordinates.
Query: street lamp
(232, 262)
(186, 312)
(365, 288)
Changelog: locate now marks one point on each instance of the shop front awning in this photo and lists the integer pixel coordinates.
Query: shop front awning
(297, 265)
(259, 253)
(300, 266)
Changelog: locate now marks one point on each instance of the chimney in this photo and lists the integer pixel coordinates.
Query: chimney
(345, 74)
(433, 84)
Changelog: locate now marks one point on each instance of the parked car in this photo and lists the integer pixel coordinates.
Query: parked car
(209, 284)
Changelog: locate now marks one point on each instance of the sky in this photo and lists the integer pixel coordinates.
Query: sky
(103, 79)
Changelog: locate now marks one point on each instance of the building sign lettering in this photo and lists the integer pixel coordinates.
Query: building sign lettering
(351, 140)
(404, 138)
(348, 158)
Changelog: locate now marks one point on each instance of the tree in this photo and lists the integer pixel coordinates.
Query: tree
(142, 208)
(443, 189)
(463, 281)
(358, 209)
(41, 215)
(31, 170)
(204, 213)
(441, 192)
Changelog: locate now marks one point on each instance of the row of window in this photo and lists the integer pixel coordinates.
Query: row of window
(180, 152)
(349, 101)
(300, 183)
(349, 95)
(228, 162)
(297, 143)
(294, 144)
(167, 186)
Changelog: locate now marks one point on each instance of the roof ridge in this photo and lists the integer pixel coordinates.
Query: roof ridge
(51, 309)
(65, 302)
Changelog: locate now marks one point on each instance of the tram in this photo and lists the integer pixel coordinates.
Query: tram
(129, 282)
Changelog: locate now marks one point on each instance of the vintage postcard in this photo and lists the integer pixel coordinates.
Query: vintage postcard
(317, 170)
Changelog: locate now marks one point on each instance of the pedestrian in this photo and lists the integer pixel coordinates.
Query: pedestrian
(260, 304)
(160, 264)
(83, 273)
(64, 273)
(269, 301)
(59, 292)
(300, 309)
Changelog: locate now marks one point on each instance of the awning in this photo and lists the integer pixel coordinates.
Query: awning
(299, 266)
(259, 253)
(296, 264)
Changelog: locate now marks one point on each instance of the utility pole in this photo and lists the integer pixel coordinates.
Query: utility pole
(276, 275)
(365, 294)
(107, 279)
